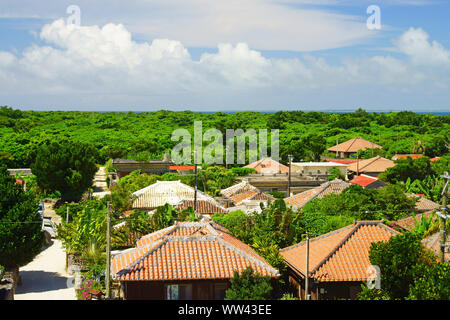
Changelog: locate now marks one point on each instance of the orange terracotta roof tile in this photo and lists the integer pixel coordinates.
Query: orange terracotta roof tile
(341, 255)
(188, 250)
(433, 243)
(409, 223)
(346, 161)
(244, 191)
(331, 187)
(366, 181)
(269, 166)
(376, 164)
(405, 156)
(203, 206)
(354, 145)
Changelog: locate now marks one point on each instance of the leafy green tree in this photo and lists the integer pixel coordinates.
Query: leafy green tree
(87, 228)
(277, 194)
(249, 286)
(370, 153)
(335, 173)
(364, 204)
(401, 260)
(414, 169)
(241, 171)
(214, 178)
(67, 167)
(21, 237)
(315, 146)
(431, 284)
(164, 217)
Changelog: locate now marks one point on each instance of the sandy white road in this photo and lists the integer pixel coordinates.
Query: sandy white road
(99, 184)
(45, 277)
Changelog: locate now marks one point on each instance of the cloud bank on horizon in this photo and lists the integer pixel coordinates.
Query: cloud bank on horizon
(104, 68)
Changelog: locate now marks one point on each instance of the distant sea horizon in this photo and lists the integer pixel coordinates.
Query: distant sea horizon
(438, 113)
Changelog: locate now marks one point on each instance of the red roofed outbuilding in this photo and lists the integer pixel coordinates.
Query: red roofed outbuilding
(368, 182)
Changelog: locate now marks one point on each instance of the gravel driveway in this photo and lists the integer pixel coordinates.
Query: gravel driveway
(45, 277)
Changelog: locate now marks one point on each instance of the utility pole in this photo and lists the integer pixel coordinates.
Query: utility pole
(108, 252)
(289, 178)
(443, 217)
(195, 173)
(337, 152)
(307, 267)
(357, 163)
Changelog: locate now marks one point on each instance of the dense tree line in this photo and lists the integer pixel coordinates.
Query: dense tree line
(147, 135)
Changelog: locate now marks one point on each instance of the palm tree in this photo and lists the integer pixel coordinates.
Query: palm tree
(418, 147)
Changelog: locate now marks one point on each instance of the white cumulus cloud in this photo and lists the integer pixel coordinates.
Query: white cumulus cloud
(105, 67)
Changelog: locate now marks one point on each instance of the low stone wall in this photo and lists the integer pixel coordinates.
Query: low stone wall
(74, 263)
(8, 284)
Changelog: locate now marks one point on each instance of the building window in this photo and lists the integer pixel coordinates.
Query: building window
(219, 291)
(179, 292)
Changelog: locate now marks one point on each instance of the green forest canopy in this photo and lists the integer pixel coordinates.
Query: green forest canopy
(146, 135)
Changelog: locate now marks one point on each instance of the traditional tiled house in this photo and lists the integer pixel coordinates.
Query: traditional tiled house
(204, 207)
(371, 167)
(351, 147)
(338, 261)
(299, 200)
(171, 192)
(268, 166)
(409, 223)
(242, 193)
(189, 260)
(423, 204)
(317, 168)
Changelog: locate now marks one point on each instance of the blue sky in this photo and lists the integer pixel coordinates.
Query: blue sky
(225, 55)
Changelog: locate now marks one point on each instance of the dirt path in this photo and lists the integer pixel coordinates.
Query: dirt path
(100, 186)
(45, 277)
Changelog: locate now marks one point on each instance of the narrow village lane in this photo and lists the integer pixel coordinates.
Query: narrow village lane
(45, 278)
(99, 184)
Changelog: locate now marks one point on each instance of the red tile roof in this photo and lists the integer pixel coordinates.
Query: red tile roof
(405, 156)
(435, 159)
(342, 161)
(181, 167)
(187, 251)
(354, 145)
(365, 180)
(341, 255)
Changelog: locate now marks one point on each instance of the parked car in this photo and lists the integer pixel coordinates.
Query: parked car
(49, 229)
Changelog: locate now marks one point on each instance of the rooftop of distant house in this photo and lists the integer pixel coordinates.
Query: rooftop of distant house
(353, 145)
(365, 180)
(318, 164)
(335, 186)
(376, 164)
(267, 165)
